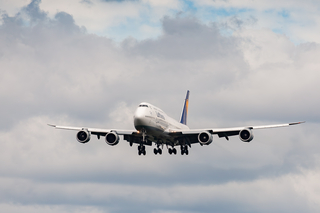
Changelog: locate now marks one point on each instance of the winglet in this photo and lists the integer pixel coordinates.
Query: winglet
(295, 123)
(52, 125)
(184, 114)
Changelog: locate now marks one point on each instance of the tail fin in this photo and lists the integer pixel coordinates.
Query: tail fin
(184, 114)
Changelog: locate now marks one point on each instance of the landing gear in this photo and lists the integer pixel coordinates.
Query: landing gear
(172, 151)
(157, 151)
(184, 150)
(141, 147)
(142, 150)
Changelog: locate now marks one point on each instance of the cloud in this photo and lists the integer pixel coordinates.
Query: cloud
(116, 19)
(195, 198)
(55, 71)
(183, 36)
(33, 11)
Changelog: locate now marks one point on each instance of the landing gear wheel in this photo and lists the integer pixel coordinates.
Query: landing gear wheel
(155, 151)
(141, 150)
(184, 150)
(174, 151)
(160, 151)
(170, 151)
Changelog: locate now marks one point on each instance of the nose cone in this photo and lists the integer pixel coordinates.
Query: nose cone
(140, 118)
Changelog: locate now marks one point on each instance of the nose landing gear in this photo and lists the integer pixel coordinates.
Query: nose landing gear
(142, 150)
(141, 147)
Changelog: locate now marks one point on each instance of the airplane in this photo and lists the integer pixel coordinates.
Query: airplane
(152, 125)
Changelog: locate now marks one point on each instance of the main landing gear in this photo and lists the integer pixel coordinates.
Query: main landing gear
(184, 150)
(172, 151)
(141, 150)
(157, 151)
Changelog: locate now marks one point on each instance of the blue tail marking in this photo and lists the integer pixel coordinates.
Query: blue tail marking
(184, 114)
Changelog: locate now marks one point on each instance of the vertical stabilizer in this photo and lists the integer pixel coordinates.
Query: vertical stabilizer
(184, 114)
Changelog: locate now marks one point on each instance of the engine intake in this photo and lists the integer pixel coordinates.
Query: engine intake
(246, 135)
(112, 138)
(205, 138)
(83, 136)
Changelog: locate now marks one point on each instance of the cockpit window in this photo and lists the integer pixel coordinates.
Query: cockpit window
(143, 105)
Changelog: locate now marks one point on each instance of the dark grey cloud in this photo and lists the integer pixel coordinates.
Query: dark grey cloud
(86, 2)
(65, 22)
(118, 0)
(25, 51)
(33, 11)
(53, 71)
(89, 2)
(185, 38)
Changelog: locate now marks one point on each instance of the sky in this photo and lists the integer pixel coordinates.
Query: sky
(91, 62)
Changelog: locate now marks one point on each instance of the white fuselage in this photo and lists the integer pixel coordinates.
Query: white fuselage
(155, 122)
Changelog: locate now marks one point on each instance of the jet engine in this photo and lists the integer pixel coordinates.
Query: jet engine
(83, 136)
(205, 138)
(112, 138)
(246, 135)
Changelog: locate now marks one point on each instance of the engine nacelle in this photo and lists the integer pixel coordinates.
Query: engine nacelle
(205, 138)
(112, 138)
(83, 136)
(246, 135)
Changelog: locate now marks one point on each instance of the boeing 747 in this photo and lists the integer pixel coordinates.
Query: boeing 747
(152, 125)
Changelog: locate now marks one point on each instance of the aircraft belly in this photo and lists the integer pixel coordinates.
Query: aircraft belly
(155, 134)
(155, 128)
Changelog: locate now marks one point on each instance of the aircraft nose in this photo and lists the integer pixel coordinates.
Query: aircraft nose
(139, 118)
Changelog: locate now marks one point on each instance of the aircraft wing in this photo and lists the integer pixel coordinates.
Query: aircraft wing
(132, 136)
(96, 131)
(191, 135)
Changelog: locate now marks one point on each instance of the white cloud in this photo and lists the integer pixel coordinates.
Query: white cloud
(13, 7)
(260, 5)
(296, 19)
(100, 17)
